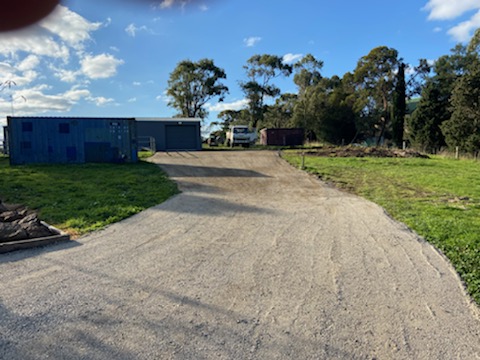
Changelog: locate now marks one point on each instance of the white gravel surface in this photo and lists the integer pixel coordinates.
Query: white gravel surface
(254, 260)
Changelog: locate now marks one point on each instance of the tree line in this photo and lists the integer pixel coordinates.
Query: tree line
(382, 101)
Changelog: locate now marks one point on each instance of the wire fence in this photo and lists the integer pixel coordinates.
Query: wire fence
(146, 143)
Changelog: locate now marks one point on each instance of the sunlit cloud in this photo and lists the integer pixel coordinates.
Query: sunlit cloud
(101, 66)
(132, 30)
(101, 101)
(53, 50)
(222, 106)
(463, 31)
(252, 41)
(291, 58)
(450, 10)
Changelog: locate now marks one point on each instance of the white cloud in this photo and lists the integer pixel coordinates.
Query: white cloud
(164, 97)
(453, 9)
(291, 58)
(222, 106)
(68, 76)
(100, 66)
(437, 29)
(463, 31)
(131, 100)
(72, 28)
(76, 94)
(251, 41)
(132, 29)
(182, 4)
(53, 49)
(29, 63)
(52, 37)
(100, 100)
(26, 78)
(6, 70)
(450, 9)
(33, 101)
(136, 83)
(164, 4)
(33, 42)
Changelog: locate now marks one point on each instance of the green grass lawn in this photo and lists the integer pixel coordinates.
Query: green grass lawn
(85, 197)
(438, 198)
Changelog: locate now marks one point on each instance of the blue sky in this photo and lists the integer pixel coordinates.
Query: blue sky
(109, 58)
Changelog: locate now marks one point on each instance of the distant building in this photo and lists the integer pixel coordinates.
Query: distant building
(282, 136)
(171, 134)
(71, 140)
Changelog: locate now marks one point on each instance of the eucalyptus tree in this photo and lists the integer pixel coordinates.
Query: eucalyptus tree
(307, 73)
(279, 115)
(375, 78)
(463, 127)
(434, 108)
(309, 102)
(261, 71)
(192, 84)
(325, 111)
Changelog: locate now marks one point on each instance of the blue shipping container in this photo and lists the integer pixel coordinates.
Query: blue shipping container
(71, 140)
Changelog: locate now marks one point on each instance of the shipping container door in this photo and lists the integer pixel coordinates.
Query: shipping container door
(97, 152)
(181, 137)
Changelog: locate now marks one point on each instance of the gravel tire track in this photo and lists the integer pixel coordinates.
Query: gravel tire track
(253, 260)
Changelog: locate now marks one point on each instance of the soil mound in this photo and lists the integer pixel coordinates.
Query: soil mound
(360, 151)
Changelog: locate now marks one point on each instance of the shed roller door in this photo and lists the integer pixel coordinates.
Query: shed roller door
(181, 137)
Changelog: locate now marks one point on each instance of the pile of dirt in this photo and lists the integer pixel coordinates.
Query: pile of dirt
(19, 223)
(363, 151)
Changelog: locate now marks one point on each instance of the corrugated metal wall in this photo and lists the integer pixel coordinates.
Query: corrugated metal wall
(282, 137)
(172, 134)
(71, 140)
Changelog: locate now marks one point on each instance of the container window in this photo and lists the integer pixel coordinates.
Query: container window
(27, 126)
(64, 128)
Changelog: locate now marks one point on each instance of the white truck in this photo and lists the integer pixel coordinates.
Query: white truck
(240, 135)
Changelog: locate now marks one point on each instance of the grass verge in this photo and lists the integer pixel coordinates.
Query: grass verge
(438, 198)
(85, 197)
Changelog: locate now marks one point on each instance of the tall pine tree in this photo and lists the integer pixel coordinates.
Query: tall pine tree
(399, 106)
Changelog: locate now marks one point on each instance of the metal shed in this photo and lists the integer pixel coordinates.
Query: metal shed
(171, 133)
(282, 136)
(71, 140)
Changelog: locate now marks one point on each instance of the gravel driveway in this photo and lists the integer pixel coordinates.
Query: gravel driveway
(254, 260)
